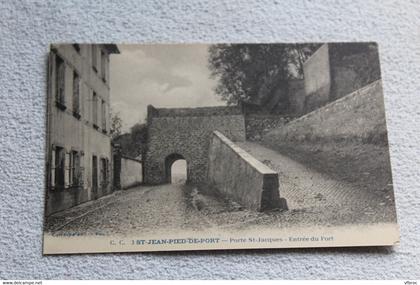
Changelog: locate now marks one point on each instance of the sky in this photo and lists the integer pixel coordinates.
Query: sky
(160, 75)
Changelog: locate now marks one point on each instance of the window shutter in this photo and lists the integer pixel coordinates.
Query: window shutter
(108, 173)
(77, 168)
(72, 168)
(67, 170)
(82, 168)
(101, 171)
(52, 166)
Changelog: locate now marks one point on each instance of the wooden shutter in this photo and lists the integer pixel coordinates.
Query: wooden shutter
(77, 168)
(72, 167)
(67, 170)
(52, 166)
(108, 172)
(82, 169)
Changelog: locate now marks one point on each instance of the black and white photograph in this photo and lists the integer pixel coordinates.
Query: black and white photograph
(160, 147)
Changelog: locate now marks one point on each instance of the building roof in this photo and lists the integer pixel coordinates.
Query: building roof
(112, 48)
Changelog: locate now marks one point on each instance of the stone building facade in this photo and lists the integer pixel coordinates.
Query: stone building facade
(79, 155)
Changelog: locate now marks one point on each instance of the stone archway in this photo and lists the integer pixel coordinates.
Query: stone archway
(169, 161)
(185, 133)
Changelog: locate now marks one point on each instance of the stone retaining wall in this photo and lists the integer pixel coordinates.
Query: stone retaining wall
(359, 116)
(258, 125)
(131, 172)
(238, 175)
(338, 69)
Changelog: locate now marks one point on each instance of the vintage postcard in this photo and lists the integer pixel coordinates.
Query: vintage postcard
(166, 147)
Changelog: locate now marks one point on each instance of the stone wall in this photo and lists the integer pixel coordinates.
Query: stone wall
(237, 174)
(317, 76)
(131, 172)
(337, 69)
(258, 120)
(173, 136)
(359, 116)
(198, 111)
(296, 97)
(346, 140)
(258, 124)
(353, 65)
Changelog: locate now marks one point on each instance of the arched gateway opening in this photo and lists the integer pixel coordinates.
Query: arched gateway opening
(176, 169)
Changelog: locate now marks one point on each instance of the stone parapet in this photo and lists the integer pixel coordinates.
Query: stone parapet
(238, 175)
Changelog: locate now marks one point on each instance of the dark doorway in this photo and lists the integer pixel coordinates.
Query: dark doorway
(176, 169)
(94, 177)
(117, 170)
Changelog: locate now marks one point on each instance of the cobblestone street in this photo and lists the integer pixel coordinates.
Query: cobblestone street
(145, 209)
(313, 198)
(327, 200)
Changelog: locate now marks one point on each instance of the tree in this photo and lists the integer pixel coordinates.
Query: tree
(116, 125)
(134, 143)
(139, 138)
(300, 53)
(245, 70)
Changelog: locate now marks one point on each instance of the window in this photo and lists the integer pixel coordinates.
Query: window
(58, 167)
(103, 116)
(95, 58)
(95, 110)
(103, 66)
(77, 47)
(59, 83)
(74, 167)
(76, 95)
(104, 172)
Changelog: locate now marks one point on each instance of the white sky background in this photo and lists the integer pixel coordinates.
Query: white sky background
(160, 75)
